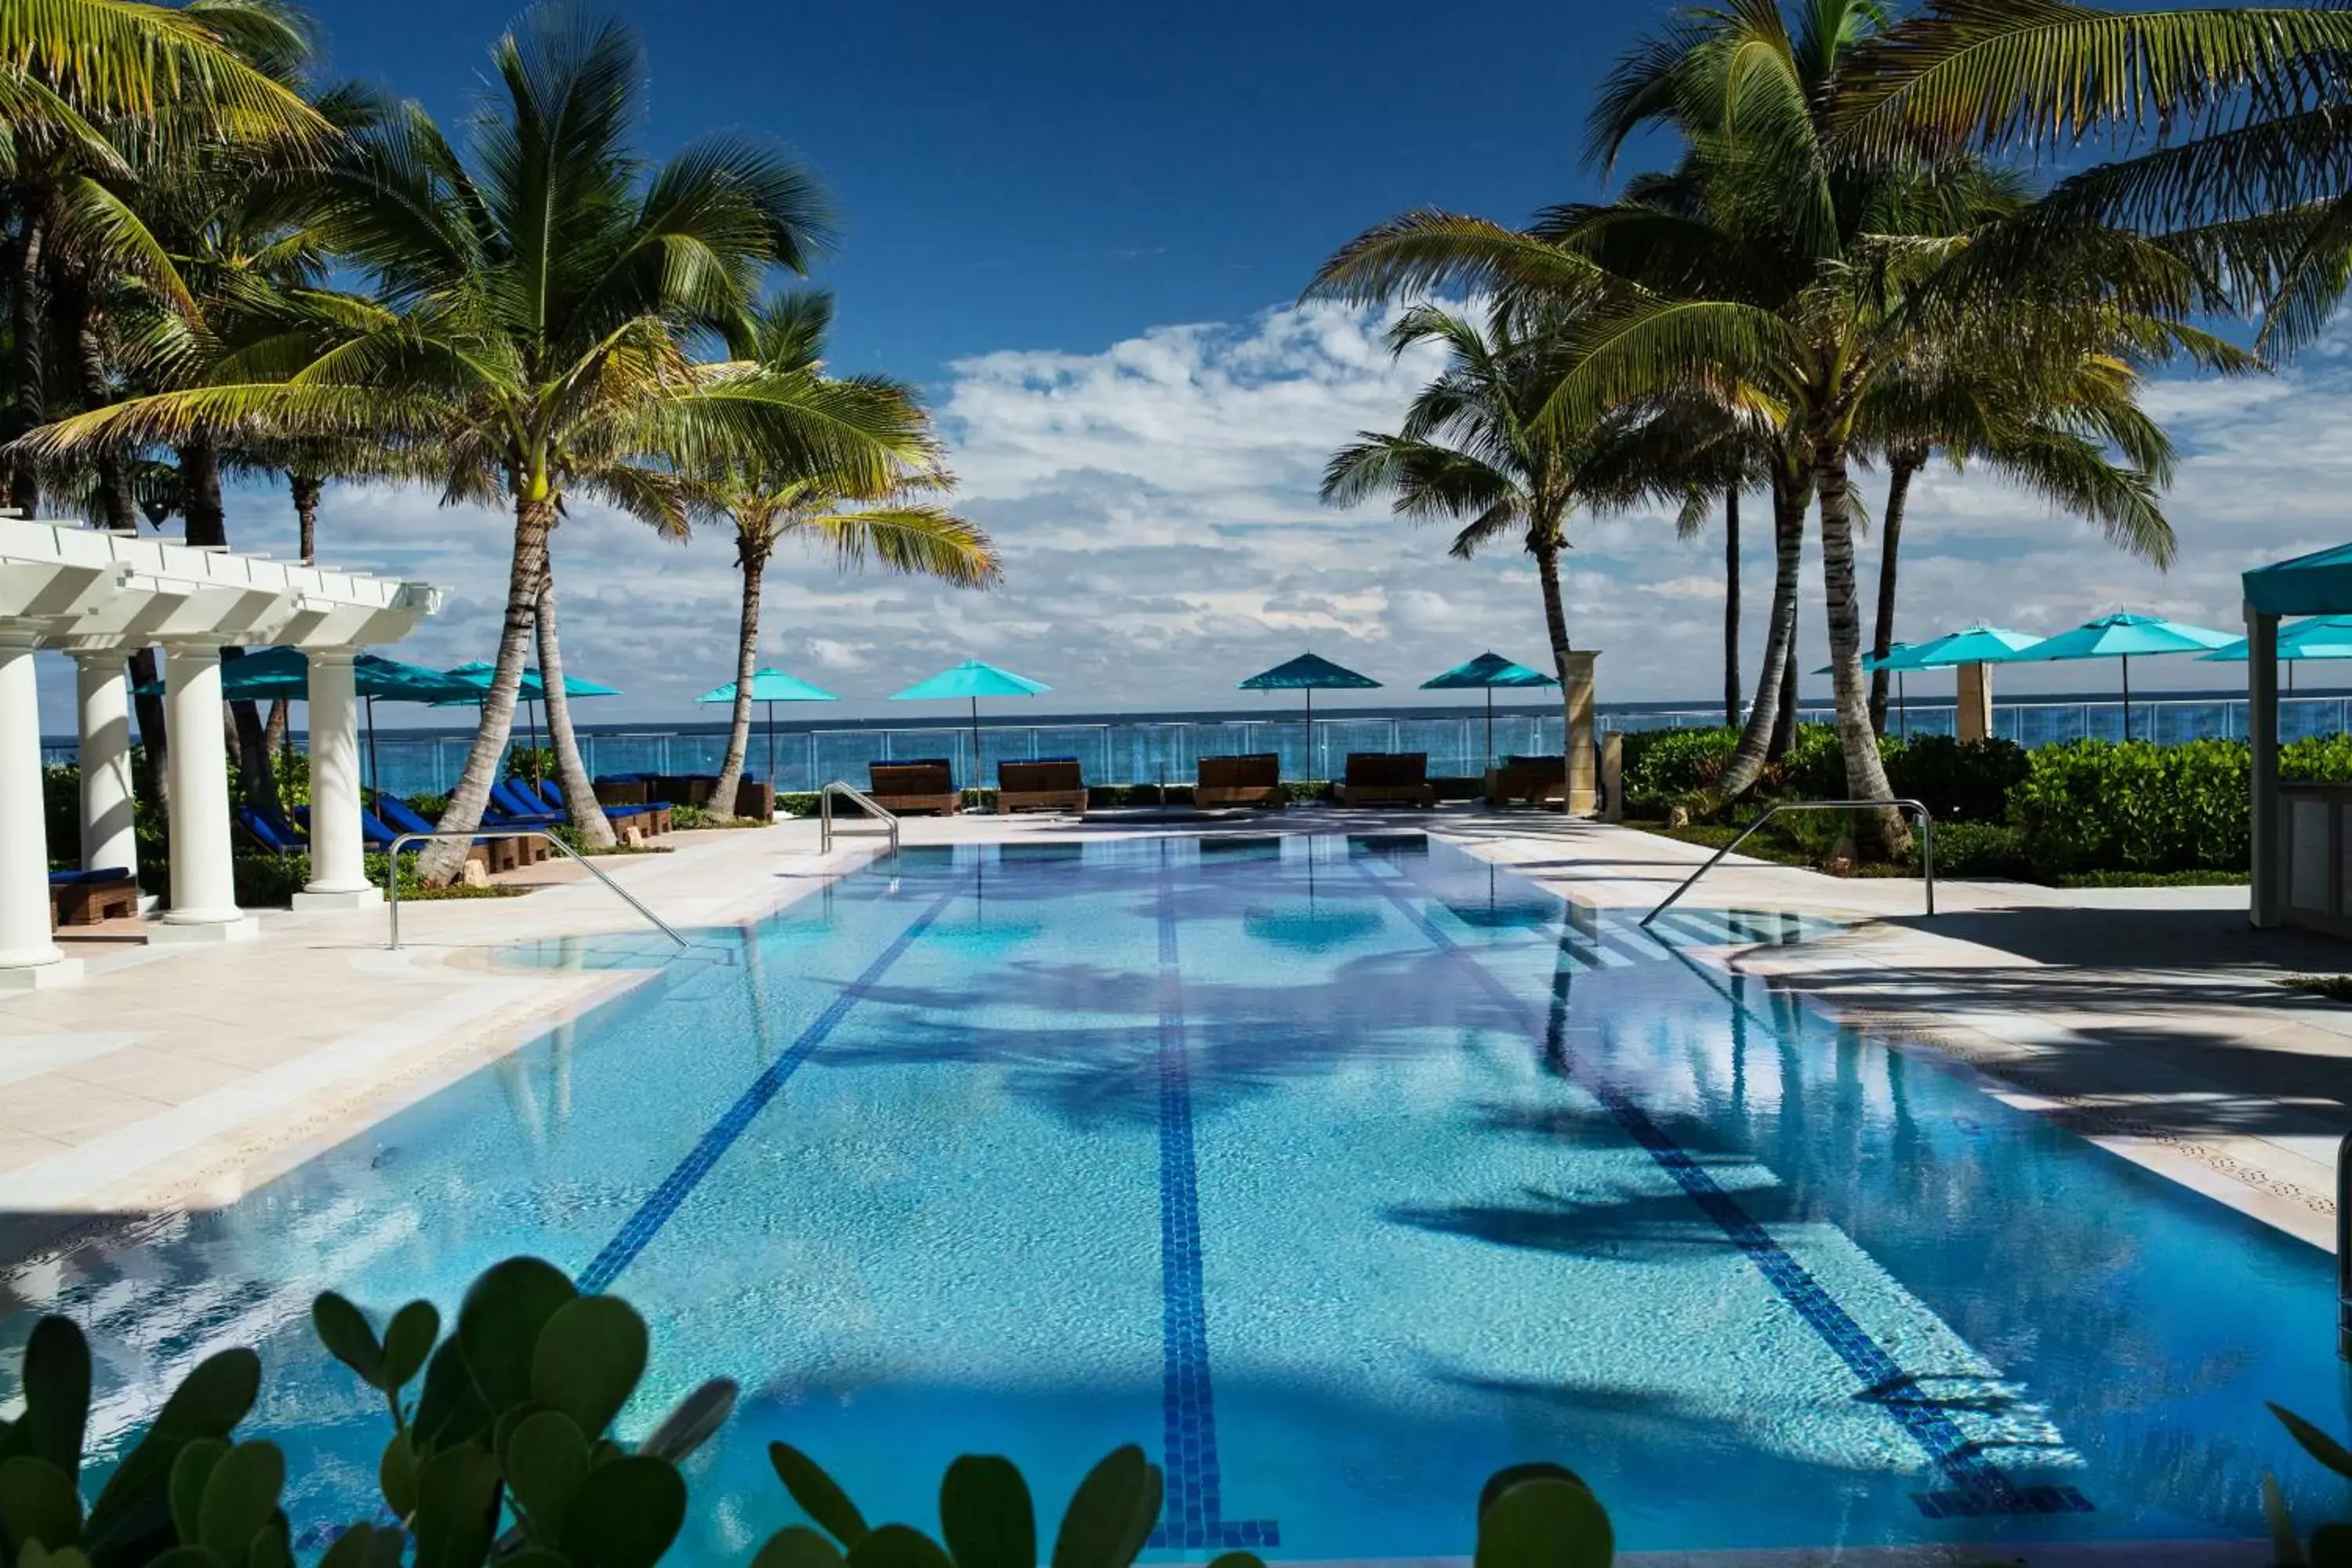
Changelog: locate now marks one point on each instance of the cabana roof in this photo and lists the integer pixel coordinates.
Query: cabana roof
(2319, 583)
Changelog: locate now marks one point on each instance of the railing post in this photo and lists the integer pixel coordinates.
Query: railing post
(2344, 1248)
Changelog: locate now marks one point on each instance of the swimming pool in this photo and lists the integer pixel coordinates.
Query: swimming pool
(1338, 1171)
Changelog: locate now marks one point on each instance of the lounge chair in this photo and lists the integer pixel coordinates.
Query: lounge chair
(495, 854)
(622, 789)
(512, 805)
(86, 898)
(271, 831)
(925, 785)
(755, 798)
(1388, 778)
(1251, 780)
(649, 819)
(1045, 783)
(1531, 779)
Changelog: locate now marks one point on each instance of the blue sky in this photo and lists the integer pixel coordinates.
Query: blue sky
(1083, 231)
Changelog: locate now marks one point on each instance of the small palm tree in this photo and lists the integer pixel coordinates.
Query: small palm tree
(532, 338)
(898, 527)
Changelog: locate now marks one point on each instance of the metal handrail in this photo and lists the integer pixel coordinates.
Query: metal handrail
(392, 878)
(865, 802)
(1926, 841)
(2344, 1248)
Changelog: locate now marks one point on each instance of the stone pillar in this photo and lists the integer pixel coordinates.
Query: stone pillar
(28, 954)
(337, 864)
(1578, 695)
(1613, 776)
(1975, 719)
(204, 874)
(2261, 734)
(102, 689)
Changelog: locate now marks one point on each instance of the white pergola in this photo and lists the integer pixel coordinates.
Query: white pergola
(99, 597)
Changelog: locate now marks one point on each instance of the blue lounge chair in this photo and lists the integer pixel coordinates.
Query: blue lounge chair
(393, 815)
(653, 819)
(512, 805)
(269, 830)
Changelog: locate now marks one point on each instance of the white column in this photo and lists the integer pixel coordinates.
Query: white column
(2263, 899)
(338, 864)
(27, 955)
(103, 687)
(204, 876)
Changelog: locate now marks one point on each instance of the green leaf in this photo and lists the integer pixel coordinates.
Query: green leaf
(455, 1490)
(212, 1399)
(2315, 1443)
(450, 1411)
(896, 1546)
(350, 1549)
(819, 1498)
(2284, 1546)
(589, 1358)
(691, 1422)
(395, 1474)
(2331, 1546)
(239, 1497)
(349, 1337)
(1509, 1476)
(798, 1546)
(35, 1555)
(986, 1515)
(37, 1502)
(546, 1461)
(1100, 1528)
(408, 1339)
(57, 1393)
(534, 1557)
(1545, 1524)
(188, 1557)
(628, 1516)
(191, 1473)
(500, 1322)
(270, 1548)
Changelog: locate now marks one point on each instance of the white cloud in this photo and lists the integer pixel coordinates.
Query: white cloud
(1155, 503)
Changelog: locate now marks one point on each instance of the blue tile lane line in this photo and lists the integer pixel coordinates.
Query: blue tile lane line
(1978, 1486)
(1193, 1518)
(663, 1201)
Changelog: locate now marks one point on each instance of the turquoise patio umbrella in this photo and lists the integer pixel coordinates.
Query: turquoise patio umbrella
(2119, 637)
(476, 676)
(1893, 662)
(772, 687)
(2318, 637)
(1978, 644)
(1307, 673)
(971, 681)
(1487, 671)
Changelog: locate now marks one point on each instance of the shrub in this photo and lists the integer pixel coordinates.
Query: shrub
(1978, 849)
(506, 1454)
(1662, 766)
(1959, 781)
(2134, 806)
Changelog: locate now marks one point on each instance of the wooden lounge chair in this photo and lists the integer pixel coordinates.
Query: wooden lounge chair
(911, 786)
(1046, 783)
(86, 898)
(755, 798)
(1531, 779)
(1251, 780)
(1388, 778)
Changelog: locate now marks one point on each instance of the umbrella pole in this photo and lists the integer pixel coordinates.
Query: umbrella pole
(1308, 764)
(1902, 707)
(1490, 728)
(976, 781)
(2126, 697)
(376, 772)
(772, 743)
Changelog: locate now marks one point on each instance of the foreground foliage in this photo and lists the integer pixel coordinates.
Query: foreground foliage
(506, 1454)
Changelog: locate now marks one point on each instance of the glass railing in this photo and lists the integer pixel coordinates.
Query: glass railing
(1150, 751)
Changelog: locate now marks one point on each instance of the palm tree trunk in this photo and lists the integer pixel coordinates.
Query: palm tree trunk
(1784, 727)
(588, 818)
(208, 524)
(155, 781)
(1731, 692)
(1789, 501)
(437, 866)
(305, 489)
(1879, 835)
(1901, 464)
(118, 508)
(24, 488)
(1555, 625)
(747, 659)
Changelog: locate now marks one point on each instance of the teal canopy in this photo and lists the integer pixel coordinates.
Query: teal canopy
(1870, 662)
(1978, 644)
(478, 675)
(772, 685)
(1307, 672)
(2319, 583)
(2118, 637)
(1489, 670)
(283, 674)
(973, 678)
(2320, 637)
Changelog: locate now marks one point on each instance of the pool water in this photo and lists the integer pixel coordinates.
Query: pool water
(1337, 1172)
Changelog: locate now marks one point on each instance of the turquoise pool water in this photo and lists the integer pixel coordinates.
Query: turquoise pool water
(1338, 1171)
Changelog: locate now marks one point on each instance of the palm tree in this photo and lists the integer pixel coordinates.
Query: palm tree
(1790, 278)
(896, 526)
(1472, 449)
(532, 338)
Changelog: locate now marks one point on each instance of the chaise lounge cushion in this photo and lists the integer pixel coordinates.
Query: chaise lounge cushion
(924, 784)
(1388, 778)
(1049, 783)
(1255, 779)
